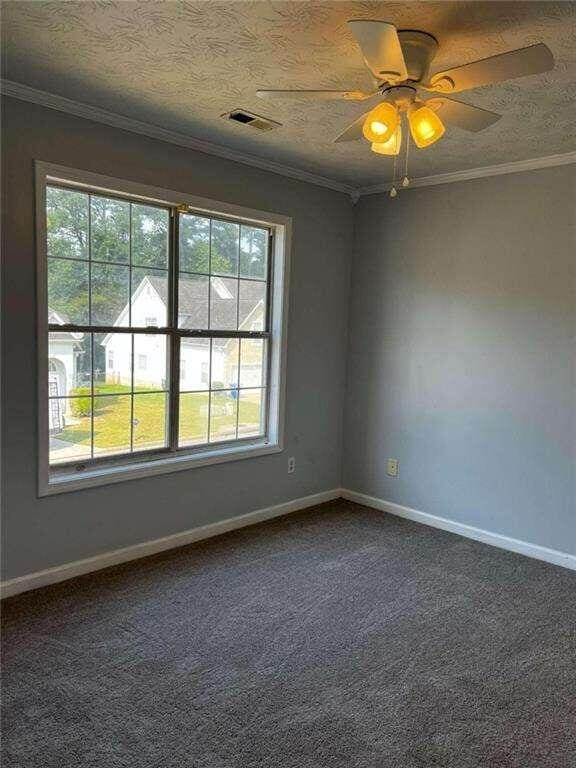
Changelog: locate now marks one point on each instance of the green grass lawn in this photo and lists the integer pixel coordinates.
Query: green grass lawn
(112, 419)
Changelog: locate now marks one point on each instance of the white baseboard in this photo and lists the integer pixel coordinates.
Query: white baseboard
(488, 537)
(116, 556)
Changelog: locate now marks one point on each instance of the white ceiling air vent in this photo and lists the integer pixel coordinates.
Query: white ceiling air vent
(251, 120)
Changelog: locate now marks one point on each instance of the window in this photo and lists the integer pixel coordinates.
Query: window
(207, 384)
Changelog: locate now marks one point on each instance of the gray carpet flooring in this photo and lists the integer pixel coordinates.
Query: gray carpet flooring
(339, 637)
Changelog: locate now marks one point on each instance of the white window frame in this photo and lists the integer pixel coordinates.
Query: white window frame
(124, 467)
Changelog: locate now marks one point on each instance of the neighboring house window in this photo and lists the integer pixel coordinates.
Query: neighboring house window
(214, 365)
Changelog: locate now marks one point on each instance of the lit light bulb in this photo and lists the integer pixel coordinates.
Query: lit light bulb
(380, 123)
(378, 128)
(393, 192)
(390, 147)
(425, 126)
(426, 130)
(405, 182)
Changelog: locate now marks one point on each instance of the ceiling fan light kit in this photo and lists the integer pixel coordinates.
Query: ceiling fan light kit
(381, 123)
(400, 61)
(392, 146)
(425, 126)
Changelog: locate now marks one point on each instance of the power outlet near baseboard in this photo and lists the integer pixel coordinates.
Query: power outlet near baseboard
(291, 465)
(392, 467)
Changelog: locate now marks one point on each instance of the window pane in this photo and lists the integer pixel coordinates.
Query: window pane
(66, 223)
(253, 252)
(69, 367)
(149, 297)
(112, 415)
(150, 362)
(224, 364)
(223, 407)
(251, 413)
(112, 363)
(150, 414)
(69, 424)
(109, 230)
(193, 419)
(194, 364)
(224, 303)
(194, 239)
(109, 295)
(252, 363)
(67, 292)
(252, 305)
(224, 253)
(193, 301)
(108, 265)
(150, 236)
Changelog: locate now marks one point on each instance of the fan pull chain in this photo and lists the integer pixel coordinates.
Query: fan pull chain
(406, 180)
(393, 190)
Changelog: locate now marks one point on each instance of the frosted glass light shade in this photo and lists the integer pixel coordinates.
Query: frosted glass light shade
(380, 123)
(390, 147)
(425, 126)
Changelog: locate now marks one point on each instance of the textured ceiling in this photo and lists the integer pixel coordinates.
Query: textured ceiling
(180, 65)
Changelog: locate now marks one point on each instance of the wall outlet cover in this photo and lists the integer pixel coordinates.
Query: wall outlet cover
(392, 467)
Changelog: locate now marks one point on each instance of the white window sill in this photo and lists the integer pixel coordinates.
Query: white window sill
(118, 473)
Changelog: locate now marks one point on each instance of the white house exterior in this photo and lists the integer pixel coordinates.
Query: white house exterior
(149, 308)
(62, 368)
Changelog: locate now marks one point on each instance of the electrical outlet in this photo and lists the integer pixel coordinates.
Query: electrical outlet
(392, 468)
(291, 465)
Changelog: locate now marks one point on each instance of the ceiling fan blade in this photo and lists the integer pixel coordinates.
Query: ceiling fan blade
(380, 46)
(462, 115)
(505, 66)
(354, 130)
(316, 95)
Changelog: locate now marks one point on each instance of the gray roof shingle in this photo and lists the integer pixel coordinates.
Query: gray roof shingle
(192, 298)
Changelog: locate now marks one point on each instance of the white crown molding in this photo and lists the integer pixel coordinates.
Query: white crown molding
(517, 166)
(88, 112)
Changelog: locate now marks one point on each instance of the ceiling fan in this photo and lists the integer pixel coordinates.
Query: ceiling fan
(399, 61)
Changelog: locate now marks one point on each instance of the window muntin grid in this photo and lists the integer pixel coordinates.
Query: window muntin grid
(249, 270)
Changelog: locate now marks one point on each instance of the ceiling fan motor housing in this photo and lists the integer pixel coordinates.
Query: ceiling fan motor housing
(402, 95)
(419, 49)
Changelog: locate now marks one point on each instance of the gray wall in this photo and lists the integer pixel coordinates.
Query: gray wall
(462, 353)
(461, 358)
(39, 533)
